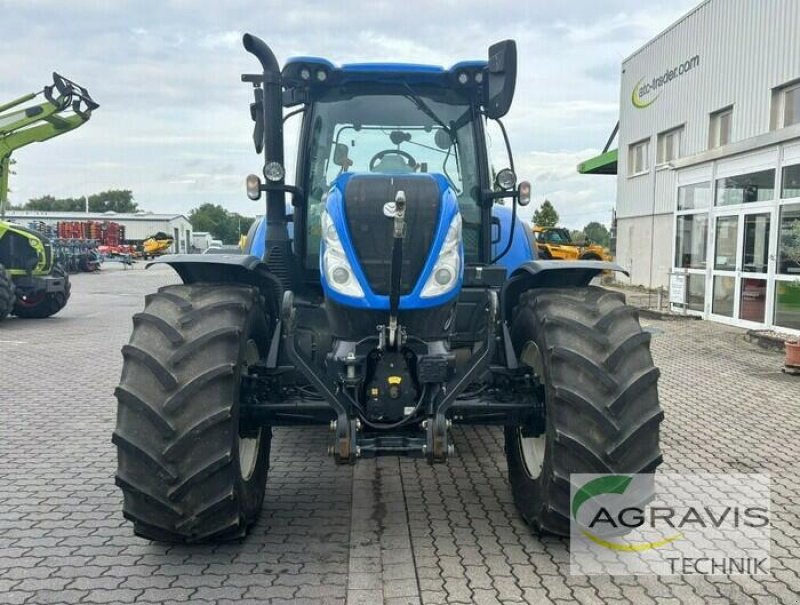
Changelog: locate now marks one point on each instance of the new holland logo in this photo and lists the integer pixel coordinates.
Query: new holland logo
(644, 94)
(389, 210)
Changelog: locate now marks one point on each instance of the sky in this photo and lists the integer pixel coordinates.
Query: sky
(174, 124)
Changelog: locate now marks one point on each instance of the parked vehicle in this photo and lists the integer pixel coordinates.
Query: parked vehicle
(223, 250)
(557, 243)
(39, 284)
(400, 307)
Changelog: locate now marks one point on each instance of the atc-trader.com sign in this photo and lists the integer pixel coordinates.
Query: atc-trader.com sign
(645, 94)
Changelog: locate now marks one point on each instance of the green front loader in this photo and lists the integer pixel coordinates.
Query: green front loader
(32, 284)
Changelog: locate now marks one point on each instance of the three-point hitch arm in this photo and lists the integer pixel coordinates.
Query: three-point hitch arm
(66, 106)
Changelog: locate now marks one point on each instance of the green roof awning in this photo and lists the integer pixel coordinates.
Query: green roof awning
(605, 163)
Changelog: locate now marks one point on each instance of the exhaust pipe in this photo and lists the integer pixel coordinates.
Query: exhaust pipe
(278, 255)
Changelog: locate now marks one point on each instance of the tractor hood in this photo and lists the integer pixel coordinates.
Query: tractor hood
(358, 222)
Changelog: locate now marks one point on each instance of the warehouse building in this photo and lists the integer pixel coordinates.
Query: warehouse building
(138, 226)
(708, 163)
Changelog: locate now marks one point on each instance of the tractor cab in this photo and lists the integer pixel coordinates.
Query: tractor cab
(391, 119)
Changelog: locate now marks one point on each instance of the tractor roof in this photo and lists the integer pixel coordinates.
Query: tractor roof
(304, 71)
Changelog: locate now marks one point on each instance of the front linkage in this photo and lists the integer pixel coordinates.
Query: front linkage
(502, 392)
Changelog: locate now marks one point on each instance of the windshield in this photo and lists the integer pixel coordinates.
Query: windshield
(555, 236)
(399, 133)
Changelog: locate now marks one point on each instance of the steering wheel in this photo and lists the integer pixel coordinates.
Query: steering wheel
(412, 163)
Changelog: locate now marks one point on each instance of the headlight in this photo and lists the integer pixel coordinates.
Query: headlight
(338, 272)
(447, 269)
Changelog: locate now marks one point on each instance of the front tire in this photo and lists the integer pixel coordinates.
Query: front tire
(6, 293)
(42, 304)
(598, 381)
(189, 469)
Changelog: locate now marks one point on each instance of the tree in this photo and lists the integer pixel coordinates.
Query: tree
(546, 215)
(114, 200)
(221, 224)
(598, 233)
(48, 203)
(576, 235)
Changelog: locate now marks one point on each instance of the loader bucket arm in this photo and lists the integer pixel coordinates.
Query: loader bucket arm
(66, 107)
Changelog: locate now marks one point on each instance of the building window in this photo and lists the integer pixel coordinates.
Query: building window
(789, 240)
(669, 145)
(638, 157)
(755, 251)
(691, 235)
(791, 182)
(746, 188)
(785, 106)
(723, 295)
(787, 305)
(719, 131)
(694, 197)
(696, 287)
(725, 238)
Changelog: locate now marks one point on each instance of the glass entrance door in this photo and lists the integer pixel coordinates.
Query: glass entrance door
(741, 266)
(724, 267)
(754, 260)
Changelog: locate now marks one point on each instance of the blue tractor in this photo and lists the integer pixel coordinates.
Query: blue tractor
(390, 293)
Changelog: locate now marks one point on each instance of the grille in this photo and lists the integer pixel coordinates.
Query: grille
(372, 231)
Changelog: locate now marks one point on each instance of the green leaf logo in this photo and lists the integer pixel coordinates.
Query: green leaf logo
(612, 484)
(637, 100)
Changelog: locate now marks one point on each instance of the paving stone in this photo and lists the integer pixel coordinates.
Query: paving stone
(400, 531)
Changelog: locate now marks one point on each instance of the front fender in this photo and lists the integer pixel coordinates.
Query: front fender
(551, 274)
(227, 268)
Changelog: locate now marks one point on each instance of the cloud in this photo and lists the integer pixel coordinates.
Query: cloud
(578, 199)
(174, 126)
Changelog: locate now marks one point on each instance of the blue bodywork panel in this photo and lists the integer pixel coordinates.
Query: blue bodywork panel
(447, 211)
(257, 247)
(522, 248)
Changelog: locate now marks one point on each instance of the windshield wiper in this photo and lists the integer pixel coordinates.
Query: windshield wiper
(425, 108)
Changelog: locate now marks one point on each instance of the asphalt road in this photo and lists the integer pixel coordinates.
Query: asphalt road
(391, 530)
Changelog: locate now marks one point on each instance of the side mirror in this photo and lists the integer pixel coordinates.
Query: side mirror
(257, 115)
(502, 78)
(524, 193)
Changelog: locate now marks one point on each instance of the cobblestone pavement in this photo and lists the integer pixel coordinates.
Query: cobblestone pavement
(393, 530)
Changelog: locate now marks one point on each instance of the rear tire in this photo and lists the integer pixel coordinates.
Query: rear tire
(602, 413)
(6, 293)
(44, 304)
(188, 469)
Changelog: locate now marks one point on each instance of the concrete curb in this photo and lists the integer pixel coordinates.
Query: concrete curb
(664, 315)
(766, 341)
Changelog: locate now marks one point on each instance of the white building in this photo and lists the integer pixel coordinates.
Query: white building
(708, 169)
(138, 225)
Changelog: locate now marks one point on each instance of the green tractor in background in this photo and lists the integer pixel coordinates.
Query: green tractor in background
(32, 283)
